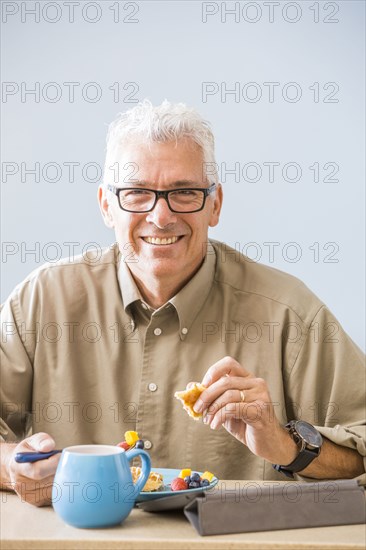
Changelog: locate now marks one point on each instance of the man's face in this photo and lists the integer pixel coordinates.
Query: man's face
(161, 166)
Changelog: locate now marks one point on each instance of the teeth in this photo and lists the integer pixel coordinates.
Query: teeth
(157, 240)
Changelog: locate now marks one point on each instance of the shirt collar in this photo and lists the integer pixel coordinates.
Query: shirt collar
(130, 292)
(189, 299)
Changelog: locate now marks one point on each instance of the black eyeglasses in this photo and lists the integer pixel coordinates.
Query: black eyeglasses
(139, 200)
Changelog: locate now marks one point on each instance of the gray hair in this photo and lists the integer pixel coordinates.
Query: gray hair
(163, 123)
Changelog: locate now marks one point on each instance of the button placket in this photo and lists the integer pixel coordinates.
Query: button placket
(162, 329)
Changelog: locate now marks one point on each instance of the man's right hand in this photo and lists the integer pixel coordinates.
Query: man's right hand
(31, 481)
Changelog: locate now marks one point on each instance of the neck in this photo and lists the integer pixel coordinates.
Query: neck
(156, 291)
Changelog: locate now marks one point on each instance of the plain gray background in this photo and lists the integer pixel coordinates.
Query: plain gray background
(170, 50)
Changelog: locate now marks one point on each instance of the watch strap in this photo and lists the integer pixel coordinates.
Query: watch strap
(303, 459)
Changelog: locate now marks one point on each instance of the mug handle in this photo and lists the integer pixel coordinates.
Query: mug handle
(145, 467)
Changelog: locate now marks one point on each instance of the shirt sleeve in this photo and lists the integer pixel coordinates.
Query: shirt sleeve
(16, 375)
(327, 384)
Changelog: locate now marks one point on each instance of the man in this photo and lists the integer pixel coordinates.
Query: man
(94, 347)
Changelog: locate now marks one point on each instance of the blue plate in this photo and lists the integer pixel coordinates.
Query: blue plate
(168, 475)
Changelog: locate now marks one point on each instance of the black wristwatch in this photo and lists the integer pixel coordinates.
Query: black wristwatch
(308, 440)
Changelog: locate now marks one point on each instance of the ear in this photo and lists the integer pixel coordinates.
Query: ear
(104, 206)
(215, 215)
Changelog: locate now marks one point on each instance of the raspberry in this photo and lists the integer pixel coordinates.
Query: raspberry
(123, 445)
(178, 484)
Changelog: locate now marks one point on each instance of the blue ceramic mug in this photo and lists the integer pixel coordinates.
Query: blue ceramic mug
(93, 484)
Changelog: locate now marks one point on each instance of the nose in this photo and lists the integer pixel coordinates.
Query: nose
(161, 215)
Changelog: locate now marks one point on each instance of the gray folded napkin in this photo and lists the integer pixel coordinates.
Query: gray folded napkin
(271, 506)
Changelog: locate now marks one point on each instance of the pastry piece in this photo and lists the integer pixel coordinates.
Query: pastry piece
(189, 397)
(154, 483)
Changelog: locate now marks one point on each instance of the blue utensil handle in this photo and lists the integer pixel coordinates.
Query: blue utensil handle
(34, 456)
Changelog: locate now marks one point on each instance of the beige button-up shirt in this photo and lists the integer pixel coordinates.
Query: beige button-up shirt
(84, 354)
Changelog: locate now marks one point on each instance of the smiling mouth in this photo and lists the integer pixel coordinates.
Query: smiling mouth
(163, 241)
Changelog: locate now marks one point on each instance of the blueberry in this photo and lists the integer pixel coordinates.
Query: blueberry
(195, 477)
(194, 484)
(187, 479)
(139, 444)
(204, 483)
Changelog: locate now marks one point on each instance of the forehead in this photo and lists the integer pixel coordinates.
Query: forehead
(162, 163)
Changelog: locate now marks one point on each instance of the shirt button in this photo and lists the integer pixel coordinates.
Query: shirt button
(184, 330)
(143, 305)
(148, 444)
(152, 386)
(157, 331)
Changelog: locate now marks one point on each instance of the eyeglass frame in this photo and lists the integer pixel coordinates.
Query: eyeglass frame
(163, 194)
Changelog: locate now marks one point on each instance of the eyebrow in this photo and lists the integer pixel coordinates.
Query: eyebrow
(174, 184)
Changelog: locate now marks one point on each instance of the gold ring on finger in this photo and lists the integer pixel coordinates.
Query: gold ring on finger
(242, 395)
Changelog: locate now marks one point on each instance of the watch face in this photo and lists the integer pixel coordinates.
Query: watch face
(309, 433)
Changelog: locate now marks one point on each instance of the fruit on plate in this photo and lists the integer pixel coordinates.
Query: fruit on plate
(124, 445)
(185, 473)
(189, 398)
(154, 482)
(132, 439)
(178, 484)
(207, 475)
(192, 481)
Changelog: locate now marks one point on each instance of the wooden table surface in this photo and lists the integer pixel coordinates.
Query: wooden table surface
(25, 526)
